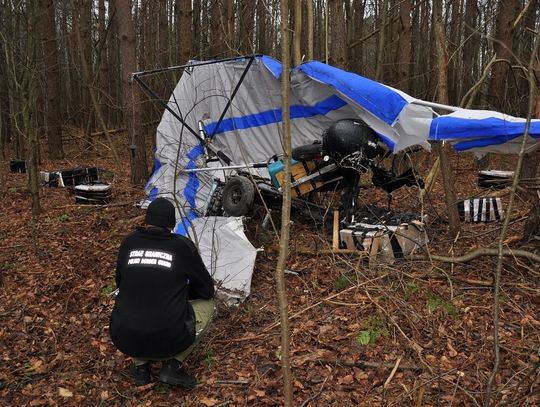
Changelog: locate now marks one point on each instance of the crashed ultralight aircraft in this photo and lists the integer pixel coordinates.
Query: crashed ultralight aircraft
(227, 114)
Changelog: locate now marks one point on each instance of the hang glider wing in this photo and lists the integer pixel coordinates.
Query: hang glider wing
(233, 107)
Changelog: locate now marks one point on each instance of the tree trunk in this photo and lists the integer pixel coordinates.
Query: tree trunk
(216, 33)
(500, 75)
(454, 50)
(115, 84)
(356, 62)
(297, 52)
(262, 35)
(403, 58)
(446, 170)
(5, 114)
(196, 27)
(102, 55)
(185, 39)
(381, 41)
(163, 33)
(246, 17)
(530, 169)
(338, 31)
(47, 28)
(71, 81)
(310, 33)
(85, 56)
(151, 33)
(523, 46)
(285, 210)
(471, 47)
(229, 27)
(132, 106)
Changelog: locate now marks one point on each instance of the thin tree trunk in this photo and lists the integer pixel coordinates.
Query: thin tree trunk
(338, 34)
(71, 79)
(471, 47)
(151, 33)
(93, 98)
(5, 110)
(196, 27)
(205, 28)
(356, 63)
(162, 32)
(114, 66)
(530, 169)
(504, 34)
(297, 52)
(216, 33)
(453, 50)
(229, 27)
(446, 170)
(132, 106)
(85, 56)
(185, 40)
(53, 91)
(102, 53)
(310, 33)
(497, 280)
(381, 43)
(262, 27)
(246, 17)
(285, 210)
(403, 57)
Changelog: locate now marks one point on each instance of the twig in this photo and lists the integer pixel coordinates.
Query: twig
(238, 382)
(392, 373)
(371, 365)
(15, 246)
(306, 401)
(94, 207)
(478, 253)
(447, 259)
(331, 251)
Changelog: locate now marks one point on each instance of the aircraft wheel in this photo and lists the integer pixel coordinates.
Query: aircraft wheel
(238, 195)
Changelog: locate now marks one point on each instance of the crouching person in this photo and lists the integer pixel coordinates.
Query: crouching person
(165, 299)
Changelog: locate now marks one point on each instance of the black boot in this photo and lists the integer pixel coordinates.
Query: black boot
(140, 374)
(173, 374)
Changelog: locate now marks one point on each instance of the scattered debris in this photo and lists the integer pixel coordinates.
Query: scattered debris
(495, 179)
(93, 193)
(475, 210)
(72, 177)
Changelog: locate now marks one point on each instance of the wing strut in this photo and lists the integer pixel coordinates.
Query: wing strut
(153, 94)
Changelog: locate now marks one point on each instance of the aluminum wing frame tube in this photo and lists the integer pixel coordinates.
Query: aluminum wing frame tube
(152, 93)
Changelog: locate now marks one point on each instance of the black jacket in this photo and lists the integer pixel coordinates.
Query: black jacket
(157, 273)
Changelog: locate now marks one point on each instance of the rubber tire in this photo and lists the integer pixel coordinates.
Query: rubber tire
(238, 196)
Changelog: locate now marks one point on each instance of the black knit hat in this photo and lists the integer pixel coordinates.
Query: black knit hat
(160, 212)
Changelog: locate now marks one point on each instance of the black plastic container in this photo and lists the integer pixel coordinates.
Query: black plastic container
(17, 166)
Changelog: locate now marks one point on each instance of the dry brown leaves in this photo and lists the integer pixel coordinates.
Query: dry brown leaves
(55, 305)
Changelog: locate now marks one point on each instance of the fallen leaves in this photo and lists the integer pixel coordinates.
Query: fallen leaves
(208, 402)
(63, 392)
(348, 379)
(56, 349)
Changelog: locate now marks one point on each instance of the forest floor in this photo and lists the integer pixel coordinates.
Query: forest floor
(429, 324)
